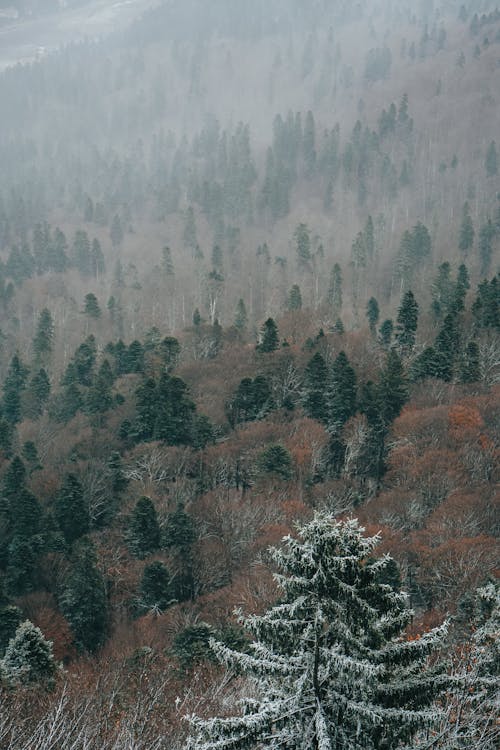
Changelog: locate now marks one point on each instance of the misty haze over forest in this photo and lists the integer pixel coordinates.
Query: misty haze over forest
(249, 258)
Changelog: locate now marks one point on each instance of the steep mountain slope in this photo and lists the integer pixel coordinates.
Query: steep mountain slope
(249, 269)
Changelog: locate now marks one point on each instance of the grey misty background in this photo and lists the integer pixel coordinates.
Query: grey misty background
(225, 125)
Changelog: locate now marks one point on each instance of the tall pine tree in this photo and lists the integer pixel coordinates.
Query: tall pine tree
(331, 667)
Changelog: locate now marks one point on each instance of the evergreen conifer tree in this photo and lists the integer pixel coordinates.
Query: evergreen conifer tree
(14, 384)
(67, 403)
(83, 362)
(472, 699)
(241, 317)
(42, 342)
(97, 264)
(422, 244)
(340, 393)
(81, 252)
(83, 600)
(28, 657)
(407, 322)
(119, 481)
(58, 259)
(486, 236)
(135, 357)
(392, 388)
(486, 306)
(372, 313)
(446, 346)
(167, 264)
(315, 381)
(335, 290)
(146, 396)
(294, 301)
(196, 318)
(38, 392)
(268, 338)
(308, 144)
(385, 333)
(442, 291)
(170, 351)
(6, 435)
(262, 397)
(10, 618)
(20, 264)
(174, 412)
(339, 327)
(381, 403)
(155, 591)
(331, 667)
(426, 365)
(30, 454)
(179, 535)
(243, 406)
(470, 367)
(70, 509)
(466, 236)
(41, 245)
(20, 573)
(21, 515)
(303, 246)
(98, 398)
(143, 533)
(91, 306)
(275, 459)
(461, 288)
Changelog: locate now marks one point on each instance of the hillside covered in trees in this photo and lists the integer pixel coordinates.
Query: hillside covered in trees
(249, 289)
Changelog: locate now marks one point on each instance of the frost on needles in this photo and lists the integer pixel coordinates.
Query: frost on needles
(330, 665)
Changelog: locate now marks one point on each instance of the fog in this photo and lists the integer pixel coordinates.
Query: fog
(228, 124)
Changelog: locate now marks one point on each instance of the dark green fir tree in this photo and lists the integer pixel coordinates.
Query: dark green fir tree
(268, 337)
(372, 314)
(385, 333)
(315, 382)
(83, 600)
(71, 509)
(44, 335)
(407, 322)
(340, 393)
(178, 536)
(155, 590)
(143, 533)
(91, 306)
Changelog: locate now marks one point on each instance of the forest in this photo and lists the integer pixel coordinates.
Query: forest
(250, 380)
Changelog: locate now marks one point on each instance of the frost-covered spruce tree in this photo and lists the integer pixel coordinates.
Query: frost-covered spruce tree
(473, 702)
(28, 657)
(331, 666)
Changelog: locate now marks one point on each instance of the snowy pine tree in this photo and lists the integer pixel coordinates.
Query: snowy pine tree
(330, 664)
(473, 702)
(28, 657)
